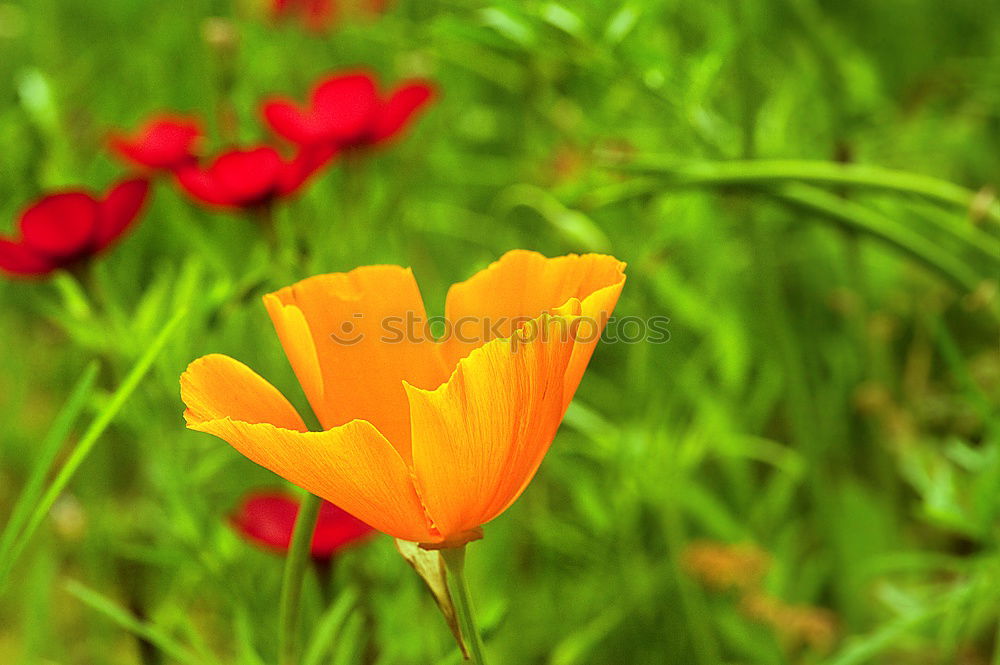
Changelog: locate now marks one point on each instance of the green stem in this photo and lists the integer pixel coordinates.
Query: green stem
(850, 214)
(296, 564)
(324, 575)
(775, 171)
(354, 203)
(693, 605)
(972, 238)
(75, 299)
(454, 561)
(996, 647)
(265, 217)
(868, 221)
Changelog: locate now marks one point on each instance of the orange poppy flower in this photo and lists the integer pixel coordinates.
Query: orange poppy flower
(425, 439)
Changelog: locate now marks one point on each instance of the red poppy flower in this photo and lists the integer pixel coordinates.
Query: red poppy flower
(165, 142)
(346, 110)
(268, 519)
(318, 15)
(252, 177)
(65, 228)
(321, 15)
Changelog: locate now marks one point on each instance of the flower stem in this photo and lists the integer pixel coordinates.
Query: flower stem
(454, 561)
(296, 564)
(778, 171)
(355, 204)
(265, 216)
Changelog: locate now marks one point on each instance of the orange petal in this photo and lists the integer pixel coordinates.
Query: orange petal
(479, 438)
(524, 284)
(352, 466)
(355, 357)
(297, 341)
(217, 386)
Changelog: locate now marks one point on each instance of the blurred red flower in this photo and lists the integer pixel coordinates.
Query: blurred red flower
(63, 229)
(252, 177)
(318, 15)
(347, 111)
(321, 15)
(164, 142)
(268, 519)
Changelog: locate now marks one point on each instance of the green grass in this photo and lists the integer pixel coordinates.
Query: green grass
(803, 187)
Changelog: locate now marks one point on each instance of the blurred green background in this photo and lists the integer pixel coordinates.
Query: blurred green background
(808, 471)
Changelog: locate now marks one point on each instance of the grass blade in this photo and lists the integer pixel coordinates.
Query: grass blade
(47, 451)
(130, 623)
(865, 649)
(865, 220)
(329, 626)
(88, 441)
(779, 171)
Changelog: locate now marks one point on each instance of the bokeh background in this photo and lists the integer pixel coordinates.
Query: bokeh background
(808, 471)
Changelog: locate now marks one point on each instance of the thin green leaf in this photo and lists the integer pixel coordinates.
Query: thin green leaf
(778, 171)
(329, 627)
(89, 440)
(47, 451)
(864, 219)
(865, 649)
(129, 622)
